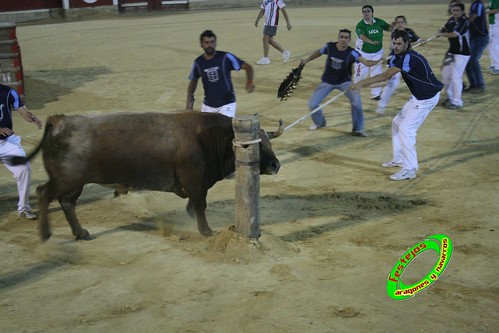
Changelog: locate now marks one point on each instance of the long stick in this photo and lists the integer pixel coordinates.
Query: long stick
(315, 110)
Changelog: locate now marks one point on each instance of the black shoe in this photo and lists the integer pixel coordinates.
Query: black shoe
(361, 133)
(445, 102)
(377, 98)
(469, 89)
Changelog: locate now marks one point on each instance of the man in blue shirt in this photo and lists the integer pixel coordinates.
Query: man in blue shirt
(338, 75)
(214, 67)
(425, 90)
(10, 145)
(479, 39)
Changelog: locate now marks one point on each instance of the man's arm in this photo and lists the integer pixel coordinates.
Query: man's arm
(285, 13)
(391, 71)
(311, 57)
(367, 40)
(447, 34)
(260, 15)
(191, 89)
(29, 117)
(369, 63)
(250, 86)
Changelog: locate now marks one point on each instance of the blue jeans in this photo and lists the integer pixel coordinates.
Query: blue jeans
(473, 70)
(325, 89)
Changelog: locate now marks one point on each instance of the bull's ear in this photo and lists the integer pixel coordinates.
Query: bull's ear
(280, 130)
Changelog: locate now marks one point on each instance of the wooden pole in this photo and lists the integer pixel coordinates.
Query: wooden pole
(247, 153)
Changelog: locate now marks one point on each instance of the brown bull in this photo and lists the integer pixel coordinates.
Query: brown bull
(185, 153)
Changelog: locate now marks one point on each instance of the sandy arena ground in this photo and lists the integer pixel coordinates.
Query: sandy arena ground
(333, 224)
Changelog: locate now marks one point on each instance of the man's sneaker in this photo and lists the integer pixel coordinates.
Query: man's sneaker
(380, 110)
(263, 61)
(361, 133)
(27, 214)
(404, 174)
(392, 164)
(286, 55)
(451, 106)
(377, 98)
(314, 127)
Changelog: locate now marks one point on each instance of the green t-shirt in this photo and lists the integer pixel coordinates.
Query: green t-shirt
(372, 31)
(493, 4)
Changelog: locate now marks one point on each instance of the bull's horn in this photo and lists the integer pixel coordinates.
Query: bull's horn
(273, 135)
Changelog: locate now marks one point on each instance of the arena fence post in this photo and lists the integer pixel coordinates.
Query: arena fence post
(247, 154)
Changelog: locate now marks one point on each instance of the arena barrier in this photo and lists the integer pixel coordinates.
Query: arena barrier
(11, 69)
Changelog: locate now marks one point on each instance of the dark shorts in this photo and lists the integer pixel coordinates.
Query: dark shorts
(270, 30)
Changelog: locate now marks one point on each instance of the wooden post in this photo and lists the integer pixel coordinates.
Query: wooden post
(247, 153)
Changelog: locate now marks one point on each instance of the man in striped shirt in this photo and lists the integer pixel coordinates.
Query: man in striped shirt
(271, 9)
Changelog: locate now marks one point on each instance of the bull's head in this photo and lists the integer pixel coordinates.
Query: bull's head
(269, 164)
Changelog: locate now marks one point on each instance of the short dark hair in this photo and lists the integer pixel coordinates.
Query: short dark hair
(368, 6)
(401, 17)
(402, 34)
(346, 31)
(207, 33)
(458, 4)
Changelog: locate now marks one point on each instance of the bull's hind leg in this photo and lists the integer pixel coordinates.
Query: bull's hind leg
(68, 203)
(44, 199)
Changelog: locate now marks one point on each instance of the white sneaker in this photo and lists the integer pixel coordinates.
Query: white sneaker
(404, 174)
(313, 128)
(286, 55)
(27, 214)
(392, 164)
(263, 61)
(380, 110)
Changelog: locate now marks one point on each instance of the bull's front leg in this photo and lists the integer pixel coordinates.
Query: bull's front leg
(198, 204)
(68, 204)
(44, 200)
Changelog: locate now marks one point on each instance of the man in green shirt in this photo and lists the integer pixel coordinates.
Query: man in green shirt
(493, 46)
(370, 45)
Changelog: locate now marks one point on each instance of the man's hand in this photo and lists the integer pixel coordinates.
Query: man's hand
(6, 131)
(250, 86)
(34, 119)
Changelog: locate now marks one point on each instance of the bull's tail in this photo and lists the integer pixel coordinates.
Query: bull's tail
(17, 160)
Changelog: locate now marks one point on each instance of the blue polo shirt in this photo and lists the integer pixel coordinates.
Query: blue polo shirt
(338, 68)
(417, 74)
(9, 98)
(215, 75)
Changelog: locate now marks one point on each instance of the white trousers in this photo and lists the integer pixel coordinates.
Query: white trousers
(452, 77)
(21, 173)
(405, 126)
(388, 90)
(493, 46)
(228, 110)
(361, 70)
